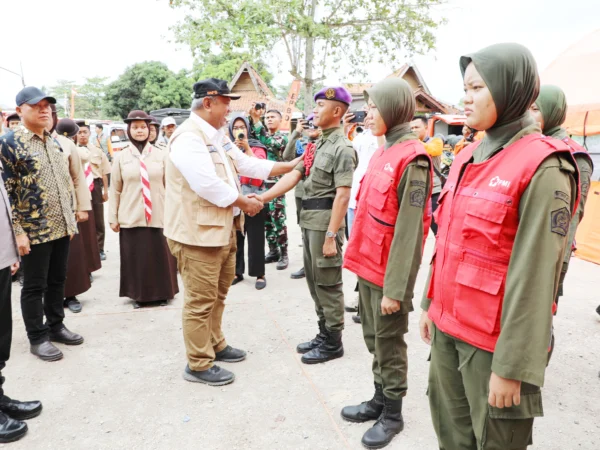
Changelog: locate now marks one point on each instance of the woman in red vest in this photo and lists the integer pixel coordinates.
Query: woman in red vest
(503, 219)
(391, 223)
(550, 111)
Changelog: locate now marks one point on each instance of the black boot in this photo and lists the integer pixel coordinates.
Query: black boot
(298, 274)
(390, 423)
(330, 348)
(273, 255)
(10, 429)
(370, 410)
(306, 347)
(283, 262)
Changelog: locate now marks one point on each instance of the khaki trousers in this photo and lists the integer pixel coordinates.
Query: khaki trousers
(459, 377)
(207, 274)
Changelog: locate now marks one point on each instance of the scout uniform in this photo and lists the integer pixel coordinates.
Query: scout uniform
(503, 219)
(390, 228)
(332, 166)
(100, 168)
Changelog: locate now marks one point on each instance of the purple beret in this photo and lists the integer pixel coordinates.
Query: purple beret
(339, 94)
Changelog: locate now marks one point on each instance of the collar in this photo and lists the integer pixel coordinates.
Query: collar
(27, 135)
(211, 132)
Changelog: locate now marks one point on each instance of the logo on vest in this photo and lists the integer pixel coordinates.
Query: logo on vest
(496, 181)
(389, 168)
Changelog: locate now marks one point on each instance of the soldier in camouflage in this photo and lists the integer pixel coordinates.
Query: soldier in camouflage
(275, 227)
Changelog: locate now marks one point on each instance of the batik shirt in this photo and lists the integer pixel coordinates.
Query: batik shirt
(37, 182)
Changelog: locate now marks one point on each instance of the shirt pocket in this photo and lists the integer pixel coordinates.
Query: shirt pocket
(379, 188)
(322, 172)
(483, 223)
(477, 299)
(212, 216)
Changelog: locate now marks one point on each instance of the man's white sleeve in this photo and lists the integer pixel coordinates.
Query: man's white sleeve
(191, 157)
(252, 167)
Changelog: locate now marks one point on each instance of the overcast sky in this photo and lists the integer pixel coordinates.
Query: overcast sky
(73, 39)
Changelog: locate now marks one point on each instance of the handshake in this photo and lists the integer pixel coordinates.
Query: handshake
(251, 204)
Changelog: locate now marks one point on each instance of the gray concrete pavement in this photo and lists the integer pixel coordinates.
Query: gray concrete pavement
(122, 389)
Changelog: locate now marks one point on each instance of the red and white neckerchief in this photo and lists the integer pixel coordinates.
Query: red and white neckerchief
(89, 176)
(145, 179)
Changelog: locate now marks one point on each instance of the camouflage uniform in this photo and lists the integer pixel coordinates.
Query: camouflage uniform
(275, 227)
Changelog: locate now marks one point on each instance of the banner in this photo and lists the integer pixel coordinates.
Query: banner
(289, 105)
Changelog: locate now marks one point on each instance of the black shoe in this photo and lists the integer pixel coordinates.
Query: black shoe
(102, 256)
(237, 279)
(261, 283)
(272, 256)
(64, 336)
(298, 275)
(598, 309)
(306, 347)
(330, 348)
(356, 318)
(283, 262)
(73, 304)
(390, 423)
(46, 351)
(20, 410)
(10, 429)
(230, 354)
(215, 376)
(351, 309)
(370, 410)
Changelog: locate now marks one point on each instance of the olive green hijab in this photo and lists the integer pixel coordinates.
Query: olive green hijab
(552, 103)
(510, 73)
(395, 101)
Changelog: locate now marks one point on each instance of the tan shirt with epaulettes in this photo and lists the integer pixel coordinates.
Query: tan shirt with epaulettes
(81, 193)
(189, 218)
(126, 203)
(98, 161)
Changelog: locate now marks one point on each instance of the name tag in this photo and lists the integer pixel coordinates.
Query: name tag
(227, 146)
(211, 149)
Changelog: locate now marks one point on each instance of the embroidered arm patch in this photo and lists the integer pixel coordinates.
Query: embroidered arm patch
(559, 221)
(417, 198)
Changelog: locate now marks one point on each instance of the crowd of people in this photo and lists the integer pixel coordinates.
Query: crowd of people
(503, 199)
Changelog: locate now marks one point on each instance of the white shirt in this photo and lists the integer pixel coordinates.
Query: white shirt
(365, 145)
(190, 155)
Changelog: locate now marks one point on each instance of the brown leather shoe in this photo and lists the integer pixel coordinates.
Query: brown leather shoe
(46, 351)
(64, 336)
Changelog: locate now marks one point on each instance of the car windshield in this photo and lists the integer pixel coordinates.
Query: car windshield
(120, 133)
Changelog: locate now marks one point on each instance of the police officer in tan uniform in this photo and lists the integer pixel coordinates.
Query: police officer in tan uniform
(327, 173)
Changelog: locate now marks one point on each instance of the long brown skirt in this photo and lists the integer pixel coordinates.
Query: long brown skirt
(90, 243)
(148, 270)
(78, 277)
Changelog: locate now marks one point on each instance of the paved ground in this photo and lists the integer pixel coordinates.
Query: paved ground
(123, 387)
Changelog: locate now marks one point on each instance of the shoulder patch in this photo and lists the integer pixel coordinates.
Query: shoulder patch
(418, 183)
(559, 221)
(417, 198)
(585, 187)
(560, 195)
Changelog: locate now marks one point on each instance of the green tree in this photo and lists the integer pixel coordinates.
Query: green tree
(225, 65)
(89, 97)
(314, 33)
(148, 86)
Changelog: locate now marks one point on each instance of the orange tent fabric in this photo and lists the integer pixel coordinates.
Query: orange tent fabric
(576, 72)
(588, 232)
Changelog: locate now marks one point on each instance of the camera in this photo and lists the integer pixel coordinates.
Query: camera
(260, 106)
(241, 136)
(359, 116)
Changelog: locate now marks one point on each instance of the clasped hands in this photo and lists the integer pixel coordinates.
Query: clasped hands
(252, 205)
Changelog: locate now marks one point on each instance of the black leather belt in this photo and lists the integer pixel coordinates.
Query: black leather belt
(317, 203)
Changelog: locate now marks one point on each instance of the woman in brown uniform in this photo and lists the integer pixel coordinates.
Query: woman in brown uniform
(136, 209)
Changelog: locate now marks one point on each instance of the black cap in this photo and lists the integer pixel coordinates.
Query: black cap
(13, 117)
(213, 86)
(66, 127)
(32, 96)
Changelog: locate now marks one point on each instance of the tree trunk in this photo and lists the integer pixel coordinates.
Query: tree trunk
(309, 81)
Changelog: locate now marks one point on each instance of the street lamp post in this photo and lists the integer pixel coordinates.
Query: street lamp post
(20, 75)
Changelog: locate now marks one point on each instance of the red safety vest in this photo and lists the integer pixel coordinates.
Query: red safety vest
(478, 219)
(377, 210)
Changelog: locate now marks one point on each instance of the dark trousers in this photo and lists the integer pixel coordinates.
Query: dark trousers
(98, 208)
(45, 272)
(255, 231)
(434, 206)
(5, 321)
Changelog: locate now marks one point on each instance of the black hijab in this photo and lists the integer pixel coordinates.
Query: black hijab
(140, 145)
(251, 141)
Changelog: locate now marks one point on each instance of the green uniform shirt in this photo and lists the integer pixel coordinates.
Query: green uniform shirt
(289, 154)
(333, 167)
(534, 271)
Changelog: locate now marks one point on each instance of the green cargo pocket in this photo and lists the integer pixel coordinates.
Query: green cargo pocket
(512, 428)
(329, 270)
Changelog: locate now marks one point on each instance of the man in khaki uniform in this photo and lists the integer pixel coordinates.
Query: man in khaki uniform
(327, 172)
(100, 170)
(203, 209)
